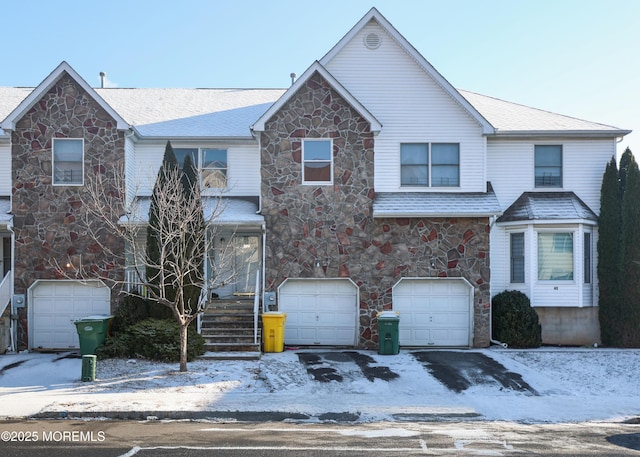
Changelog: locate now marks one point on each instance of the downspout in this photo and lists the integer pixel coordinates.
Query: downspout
(492, 221)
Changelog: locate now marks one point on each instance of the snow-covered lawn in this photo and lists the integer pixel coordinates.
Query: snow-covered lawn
(573, 385)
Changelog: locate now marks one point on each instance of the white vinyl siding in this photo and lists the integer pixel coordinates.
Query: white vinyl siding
(544, 293)
(130, 169)
(5, 169)
(510, 168)
(411, 107)
(243, 167)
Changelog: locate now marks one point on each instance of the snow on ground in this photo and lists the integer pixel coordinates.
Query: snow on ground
(573, 385)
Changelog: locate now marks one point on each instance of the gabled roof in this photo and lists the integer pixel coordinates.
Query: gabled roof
(548, 206)
(512, 119)
(259, 126)
(375, 15)
(193, 113)
(436, 204)
(64, 68)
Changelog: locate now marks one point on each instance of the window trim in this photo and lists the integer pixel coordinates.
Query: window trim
(304, 161)
(521, 259)
(535, 167)
(54, 181)
(587, 257)
(199, 155)
(556, 249)
(430, 166)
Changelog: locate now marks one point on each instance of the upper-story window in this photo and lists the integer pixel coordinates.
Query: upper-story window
(211, 163)
(317, 159)
(548, 164)
(68, 161)
(430, 164)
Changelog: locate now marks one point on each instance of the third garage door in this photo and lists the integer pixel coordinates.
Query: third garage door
(319, 311)
(433, 312)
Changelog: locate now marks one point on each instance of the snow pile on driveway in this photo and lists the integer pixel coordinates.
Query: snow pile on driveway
(561, 385)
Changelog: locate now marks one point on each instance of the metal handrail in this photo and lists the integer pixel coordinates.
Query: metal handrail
(256, 307)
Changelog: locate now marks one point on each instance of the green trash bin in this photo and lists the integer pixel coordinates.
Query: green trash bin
(92, 331)
(388, 339)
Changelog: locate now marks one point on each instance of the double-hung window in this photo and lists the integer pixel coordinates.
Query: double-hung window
(548, 166)
(214, 168)
(212, 165)
(430, 164)
(68, 161)
(317, 161)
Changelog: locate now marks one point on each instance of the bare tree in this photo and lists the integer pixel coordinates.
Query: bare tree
(184, 232)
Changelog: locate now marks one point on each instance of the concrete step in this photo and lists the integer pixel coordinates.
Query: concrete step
(232, 347)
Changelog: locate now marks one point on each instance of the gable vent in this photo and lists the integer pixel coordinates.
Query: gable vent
(372, 40)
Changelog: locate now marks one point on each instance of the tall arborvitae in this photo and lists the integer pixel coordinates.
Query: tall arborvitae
(625, 161)
(158, 225)
(609, 260)
(630, 247)
(195, 246)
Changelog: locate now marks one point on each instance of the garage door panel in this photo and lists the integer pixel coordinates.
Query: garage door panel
(433, 312)
(319, 312)
(57, 304)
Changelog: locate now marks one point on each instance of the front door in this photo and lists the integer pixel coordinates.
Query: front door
(235, 261)
(246, 263)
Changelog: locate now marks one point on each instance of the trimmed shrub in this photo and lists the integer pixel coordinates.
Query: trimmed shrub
(131, 310)
(514, 321)
(155, 339)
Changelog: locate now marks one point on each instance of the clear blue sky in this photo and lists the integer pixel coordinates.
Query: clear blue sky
(576, 57)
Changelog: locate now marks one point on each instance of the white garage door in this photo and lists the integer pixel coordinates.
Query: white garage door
(55, 305)
(433, 312)
(319, 312)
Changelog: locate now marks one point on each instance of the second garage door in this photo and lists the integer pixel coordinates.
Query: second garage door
(319, 312)
(433, 312)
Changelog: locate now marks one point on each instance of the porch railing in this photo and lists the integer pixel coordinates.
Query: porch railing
(256, 308)
(5, 291)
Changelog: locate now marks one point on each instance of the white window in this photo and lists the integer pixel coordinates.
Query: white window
(317, 161)
(548, 166)
(214, 168)
(555, 256)
(68, 161)
(517, 257)
(430, 164)
(211, 163)
(587, 257)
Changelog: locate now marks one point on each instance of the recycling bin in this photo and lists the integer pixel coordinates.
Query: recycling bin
(273, 331)
(388, 339)
(89, 368)
(92, 331)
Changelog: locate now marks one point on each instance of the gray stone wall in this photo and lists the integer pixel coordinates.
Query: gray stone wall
(329, 231)
(48, 219)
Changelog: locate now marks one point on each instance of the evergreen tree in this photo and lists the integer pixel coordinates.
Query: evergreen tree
(157, 253)
(195, 246)
(630, 247)
(609, 260)
(625, 161)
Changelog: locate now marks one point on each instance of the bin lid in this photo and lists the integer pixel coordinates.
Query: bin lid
(388, 315)
(94, 317)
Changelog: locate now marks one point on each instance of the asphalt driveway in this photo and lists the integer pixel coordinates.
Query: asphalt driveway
(456, 370)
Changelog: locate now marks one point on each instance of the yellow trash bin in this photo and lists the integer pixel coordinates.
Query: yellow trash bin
(273, 331)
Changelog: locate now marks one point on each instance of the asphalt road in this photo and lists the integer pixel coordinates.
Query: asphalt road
(70, 438)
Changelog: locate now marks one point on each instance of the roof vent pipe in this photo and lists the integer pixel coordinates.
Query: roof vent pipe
(102, 76)
(293, 78)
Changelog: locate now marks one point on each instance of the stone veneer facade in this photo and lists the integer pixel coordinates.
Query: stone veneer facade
(333, 225)
(48, 219)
